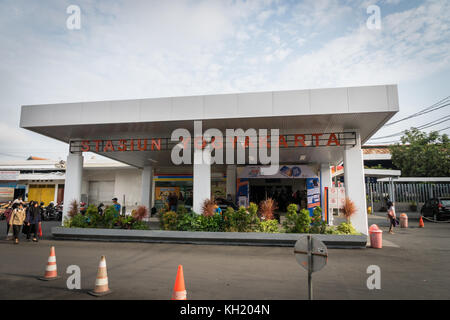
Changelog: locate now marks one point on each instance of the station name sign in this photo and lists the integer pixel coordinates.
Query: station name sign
(333, 139)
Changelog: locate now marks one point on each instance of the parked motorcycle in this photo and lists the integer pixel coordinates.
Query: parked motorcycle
(52, 212)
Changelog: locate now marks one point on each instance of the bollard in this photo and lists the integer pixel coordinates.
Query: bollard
(403, 220)
(376, 237)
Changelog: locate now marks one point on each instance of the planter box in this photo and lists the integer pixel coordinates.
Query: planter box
(219, 238)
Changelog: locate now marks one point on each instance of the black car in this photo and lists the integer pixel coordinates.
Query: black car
(436, 208)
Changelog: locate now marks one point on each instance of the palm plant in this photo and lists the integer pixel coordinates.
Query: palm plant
(349, 208)
(267, 208)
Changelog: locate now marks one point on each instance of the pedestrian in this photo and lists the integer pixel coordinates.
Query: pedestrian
(7, 214)
(116, 205)
(33, 221)
(18, 200)
(391, 216)
(16, 220)
(173, 201)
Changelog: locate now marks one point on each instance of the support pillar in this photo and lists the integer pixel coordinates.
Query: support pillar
(74, 176)
(355, 187)
(325, 182)
(147, 187)
(231, 181)
(201, 179)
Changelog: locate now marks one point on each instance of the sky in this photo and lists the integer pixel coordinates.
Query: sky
(129, 49)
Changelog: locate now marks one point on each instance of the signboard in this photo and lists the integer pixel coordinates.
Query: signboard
(6, 194)
(312, 255)
(313, 193)
(9, 175)
(162, 193)
(242, 192)
(319, 253)
(336, 197)
(284, 171)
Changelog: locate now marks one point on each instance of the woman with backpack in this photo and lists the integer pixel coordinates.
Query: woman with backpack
(16, 220)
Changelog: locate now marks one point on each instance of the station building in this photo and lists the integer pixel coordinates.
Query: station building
(318, 129)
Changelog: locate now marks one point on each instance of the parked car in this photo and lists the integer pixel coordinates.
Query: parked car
(436, 208)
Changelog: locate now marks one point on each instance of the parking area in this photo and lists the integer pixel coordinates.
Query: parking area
(414, 265)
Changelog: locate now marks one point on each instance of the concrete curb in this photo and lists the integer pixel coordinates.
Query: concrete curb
(219, 238)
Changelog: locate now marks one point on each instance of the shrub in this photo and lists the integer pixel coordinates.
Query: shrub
(110, 217)
(92, 217)
(210, 223)
(140, 213)
(78, 221)
(243, 221)
(208, 207)
(139, 225)
(181, 211)
(267, 208)
(73, 209)
(318, 225)
(188, 222)
(349, 208)
(297, 222)
(268, 226)
(169, 219)
(346, 228)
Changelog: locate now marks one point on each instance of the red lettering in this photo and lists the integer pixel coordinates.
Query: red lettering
(156, 144)
(85, 146)
(122, 145)
(301, 141)
(97, 145)
(317, 135)
(140, 147)
(132, 145)
(109, 146)
(333, 139)
(282, 141)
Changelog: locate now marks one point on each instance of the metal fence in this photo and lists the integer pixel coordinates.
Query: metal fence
(406, 192)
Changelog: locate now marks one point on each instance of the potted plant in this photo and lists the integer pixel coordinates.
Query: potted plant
(349, 209)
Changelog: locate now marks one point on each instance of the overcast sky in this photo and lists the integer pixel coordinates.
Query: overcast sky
(143, 49)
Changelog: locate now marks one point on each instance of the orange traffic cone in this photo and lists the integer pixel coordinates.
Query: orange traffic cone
(101, 283)
(421, 225)
(179, 290)
(51, 272)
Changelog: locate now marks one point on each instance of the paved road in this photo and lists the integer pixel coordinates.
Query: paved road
(414, 265)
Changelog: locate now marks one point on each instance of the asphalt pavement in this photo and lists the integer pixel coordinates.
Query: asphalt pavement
(413, 262)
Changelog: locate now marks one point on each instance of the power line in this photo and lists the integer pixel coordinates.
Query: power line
(424, 126)
(438, 105)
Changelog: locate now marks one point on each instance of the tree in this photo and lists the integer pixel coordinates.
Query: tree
(422, 155)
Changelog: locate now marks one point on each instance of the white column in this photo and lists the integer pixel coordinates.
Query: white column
(202, 180)
(231, 181)
(74, 176)
(147, 190)
(55, 197)
(355, 188)
(325, 182)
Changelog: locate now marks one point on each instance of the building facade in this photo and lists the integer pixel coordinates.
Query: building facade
(317, 129)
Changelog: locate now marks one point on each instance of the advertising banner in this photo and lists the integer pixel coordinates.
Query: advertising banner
(336, 197)
(6, 194)
(313, 193)
(162, 193)
(9, 175)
